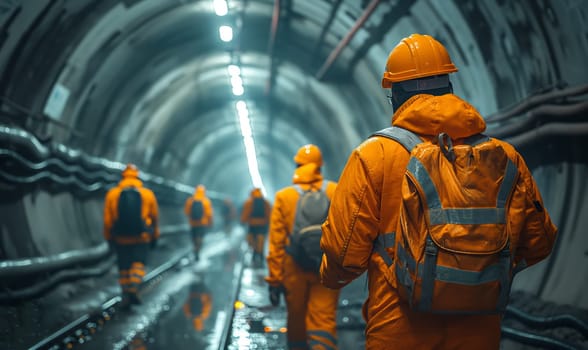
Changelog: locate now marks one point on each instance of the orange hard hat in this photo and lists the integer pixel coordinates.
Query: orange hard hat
(417, 56)
(309, 154)
(130, 170)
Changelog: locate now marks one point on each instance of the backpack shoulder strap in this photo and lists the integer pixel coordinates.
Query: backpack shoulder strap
(298, 189)
(406, 138)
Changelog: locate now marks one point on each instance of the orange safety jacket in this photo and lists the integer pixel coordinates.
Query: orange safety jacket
(246, 217)
(206, 220)
(366, 205)
(149, 212)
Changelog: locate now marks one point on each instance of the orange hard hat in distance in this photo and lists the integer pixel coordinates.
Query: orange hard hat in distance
(130, 170)
(417, 56)
(309, 154)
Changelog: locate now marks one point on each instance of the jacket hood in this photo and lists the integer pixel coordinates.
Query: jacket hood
(130, 181)
(432, 115)
(130, 171)
(256, 193)
(200, 191)
(306, 174)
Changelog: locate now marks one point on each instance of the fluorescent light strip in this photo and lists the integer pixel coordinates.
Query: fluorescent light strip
(238, 90)
(236, 81)
(245, 125)
(234, 70)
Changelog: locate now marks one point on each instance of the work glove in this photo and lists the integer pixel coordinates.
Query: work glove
(153, 244)
(274, 295)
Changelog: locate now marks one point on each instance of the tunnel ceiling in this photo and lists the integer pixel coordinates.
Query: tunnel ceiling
(148, 80)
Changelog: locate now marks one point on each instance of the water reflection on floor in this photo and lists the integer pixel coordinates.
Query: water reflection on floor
(199, 315)
(189, 306)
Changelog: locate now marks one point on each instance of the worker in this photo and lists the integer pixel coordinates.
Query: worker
(198, 209)
(255, 214)
(131, 219)
(390, 196)
(311, 307)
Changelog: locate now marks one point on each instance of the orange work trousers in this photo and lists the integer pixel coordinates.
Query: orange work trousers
(312, 309)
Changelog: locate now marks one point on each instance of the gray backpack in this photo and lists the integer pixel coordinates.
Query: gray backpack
(311, 211)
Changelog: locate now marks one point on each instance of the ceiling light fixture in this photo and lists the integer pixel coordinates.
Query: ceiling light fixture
(220, 7)
(226, 33)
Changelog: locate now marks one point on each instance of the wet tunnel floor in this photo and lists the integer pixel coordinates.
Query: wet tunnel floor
(258, 325)
(188, 307)
(218, 302)
(156, 322)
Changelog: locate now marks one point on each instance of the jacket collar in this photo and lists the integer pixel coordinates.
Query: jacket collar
(431, 115)
(130, 182)
(307, 174)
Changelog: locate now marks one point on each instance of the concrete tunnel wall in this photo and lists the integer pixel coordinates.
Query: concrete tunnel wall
(148, 85)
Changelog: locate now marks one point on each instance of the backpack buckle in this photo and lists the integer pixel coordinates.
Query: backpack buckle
(446, 146)
(431, 247)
